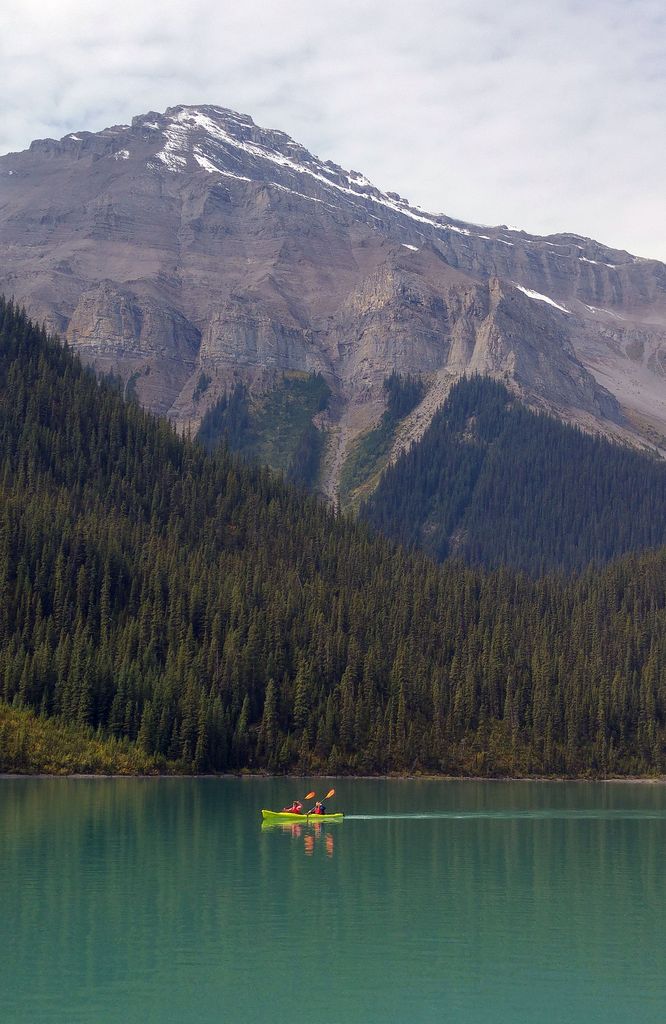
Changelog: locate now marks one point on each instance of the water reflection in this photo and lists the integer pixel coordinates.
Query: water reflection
(313, 833)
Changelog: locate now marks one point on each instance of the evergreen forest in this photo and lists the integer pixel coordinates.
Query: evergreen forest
(201, 614)
(369, 454)
(275, 429)
(493, 484)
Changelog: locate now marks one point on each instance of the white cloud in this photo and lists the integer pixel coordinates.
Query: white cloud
(549, 116)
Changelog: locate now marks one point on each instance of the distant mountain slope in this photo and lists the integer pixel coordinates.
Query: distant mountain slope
(199, 608)
(496, 484)
(195, 244)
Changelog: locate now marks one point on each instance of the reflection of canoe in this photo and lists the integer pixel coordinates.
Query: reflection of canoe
(286, 818)
(296, 828)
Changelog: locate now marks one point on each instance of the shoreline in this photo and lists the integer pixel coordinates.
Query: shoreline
(652, 780)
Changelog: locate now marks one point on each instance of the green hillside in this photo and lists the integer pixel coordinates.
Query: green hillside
(495, 484)
(202, 610)
(274, 429)
(370, 452)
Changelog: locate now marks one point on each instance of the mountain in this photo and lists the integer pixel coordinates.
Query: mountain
(209, 614)
(496, 484)
(192, 251)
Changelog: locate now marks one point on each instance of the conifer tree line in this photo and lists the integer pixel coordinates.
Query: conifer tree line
(494, 484)
(152, 590)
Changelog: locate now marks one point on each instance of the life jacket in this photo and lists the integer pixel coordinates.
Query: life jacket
(320, 810)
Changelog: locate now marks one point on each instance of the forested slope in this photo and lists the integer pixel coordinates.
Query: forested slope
(220, 619)
(495, 484)
(275, 429)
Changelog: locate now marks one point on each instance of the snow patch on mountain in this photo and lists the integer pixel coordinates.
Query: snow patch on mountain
(208, 165)
(176, 146)
(600, 309)
(597, 263)
(542, 298)
(301, 195)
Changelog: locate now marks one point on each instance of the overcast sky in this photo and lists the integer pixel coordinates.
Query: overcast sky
(549, 116)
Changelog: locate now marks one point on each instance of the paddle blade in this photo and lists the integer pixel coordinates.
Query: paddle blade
(309, 796)
(330, 793)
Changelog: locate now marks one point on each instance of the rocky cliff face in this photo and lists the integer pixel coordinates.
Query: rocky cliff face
(195, 242)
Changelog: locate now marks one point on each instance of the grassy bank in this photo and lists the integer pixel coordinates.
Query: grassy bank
(33, 745)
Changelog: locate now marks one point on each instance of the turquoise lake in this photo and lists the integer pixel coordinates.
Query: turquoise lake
(159, 900)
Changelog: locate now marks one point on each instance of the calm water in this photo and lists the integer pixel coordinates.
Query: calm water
(164, 900)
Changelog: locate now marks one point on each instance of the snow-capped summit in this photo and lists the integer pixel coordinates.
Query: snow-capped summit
(220, 141)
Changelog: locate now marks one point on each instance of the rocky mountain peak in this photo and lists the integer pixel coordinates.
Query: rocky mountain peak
(195, 245)
(221, 141)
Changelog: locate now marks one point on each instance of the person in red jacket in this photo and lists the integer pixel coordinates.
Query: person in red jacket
(296, 808)
(318, 808)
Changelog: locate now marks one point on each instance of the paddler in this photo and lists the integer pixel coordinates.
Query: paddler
(296, 808)
(318, 808)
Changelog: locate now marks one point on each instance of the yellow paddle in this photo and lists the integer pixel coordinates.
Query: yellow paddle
(309, 796)
(330, 793)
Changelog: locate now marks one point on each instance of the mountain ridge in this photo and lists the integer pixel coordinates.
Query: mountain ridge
(196, 243)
